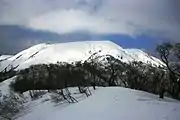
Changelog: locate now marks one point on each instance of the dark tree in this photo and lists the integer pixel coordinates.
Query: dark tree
(170, 55)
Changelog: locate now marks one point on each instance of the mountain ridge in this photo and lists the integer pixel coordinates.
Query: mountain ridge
(75, 51)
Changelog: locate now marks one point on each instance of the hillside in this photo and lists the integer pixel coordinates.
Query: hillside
(74, 51)
(108, 104)
(4, 57)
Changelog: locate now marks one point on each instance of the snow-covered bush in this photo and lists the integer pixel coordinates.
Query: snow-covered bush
(10, 105)
(56, 97)
(35, 94)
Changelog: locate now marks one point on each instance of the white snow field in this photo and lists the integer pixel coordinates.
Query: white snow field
(120, 104)
(110, 104)
(106, 103)
(74, 51)
(4, 57)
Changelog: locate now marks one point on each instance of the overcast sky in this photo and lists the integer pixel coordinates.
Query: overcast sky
(130, 23)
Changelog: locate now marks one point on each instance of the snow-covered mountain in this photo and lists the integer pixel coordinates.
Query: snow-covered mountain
(74, 51)
(4, 57)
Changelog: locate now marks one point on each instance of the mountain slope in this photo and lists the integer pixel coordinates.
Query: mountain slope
(120, 104)
(4, 57)
(107, 103)
(74, 51)
(110, 103)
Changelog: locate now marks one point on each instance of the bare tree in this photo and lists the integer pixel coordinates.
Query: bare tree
(170, 55)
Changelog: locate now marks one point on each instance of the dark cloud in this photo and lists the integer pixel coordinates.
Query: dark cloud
(64, 18)
(15, 38)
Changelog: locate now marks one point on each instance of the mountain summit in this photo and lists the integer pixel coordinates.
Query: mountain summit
(74, 51)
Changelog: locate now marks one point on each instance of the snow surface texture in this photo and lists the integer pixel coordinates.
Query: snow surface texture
(74, 51)
(4, 57)
(4, 86)
(109, 104)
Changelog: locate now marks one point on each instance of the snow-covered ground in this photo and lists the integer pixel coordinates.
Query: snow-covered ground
(4, 57)
(4, 86)
(74, 51)
(109, 104)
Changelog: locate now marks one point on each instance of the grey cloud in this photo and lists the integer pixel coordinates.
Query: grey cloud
(158, 16)
(21, 11)
(15, 38)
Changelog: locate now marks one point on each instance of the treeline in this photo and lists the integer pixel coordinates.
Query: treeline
(107, 72)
